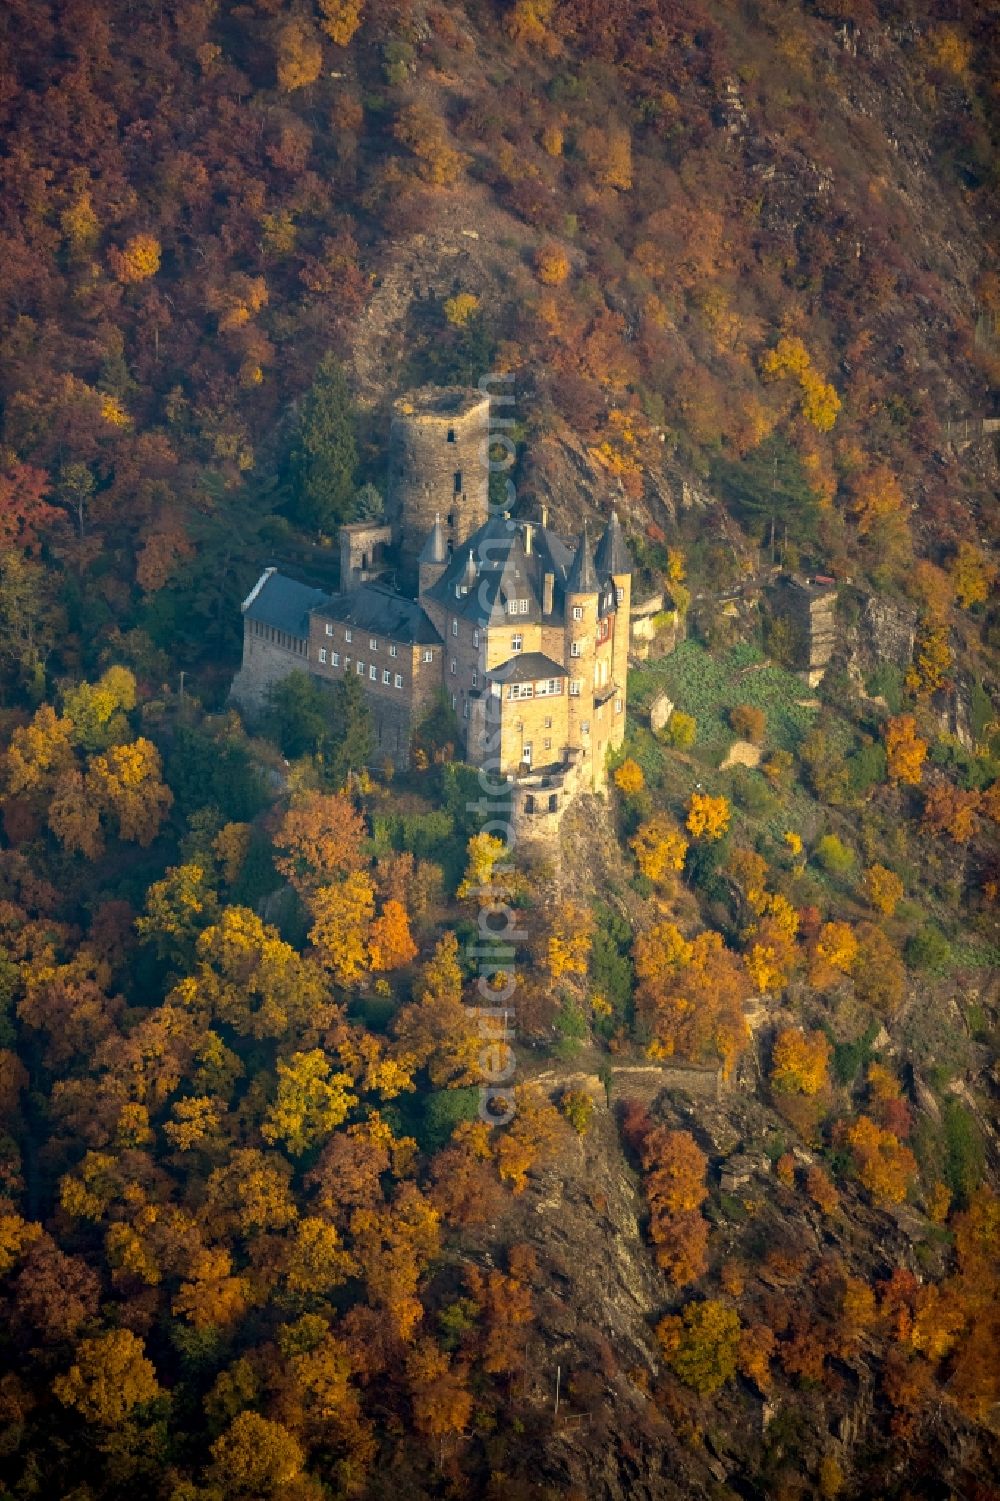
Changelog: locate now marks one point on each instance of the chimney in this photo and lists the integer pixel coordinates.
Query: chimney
(548, 584)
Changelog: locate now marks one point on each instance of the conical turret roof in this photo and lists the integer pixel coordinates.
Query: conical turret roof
(613, 557)
(435, 549)
(582, 576)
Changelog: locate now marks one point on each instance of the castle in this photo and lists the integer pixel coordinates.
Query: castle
(526, 634)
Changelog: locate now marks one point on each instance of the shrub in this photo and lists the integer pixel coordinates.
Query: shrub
(835, 857)
(749, 723)
(682, 730)
(929, 950)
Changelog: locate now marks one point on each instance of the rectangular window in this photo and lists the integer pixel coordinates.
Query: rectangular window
(386, 676)
(521, 690)
(399, 680)
(526, 753)
(458, 482)
(522, 605)
(578, 612)
(516, 641)
(454, 700)
(585, 727)
(465, 709)
(428, 656)
(393, 649)
(454, 666)
(512, 607)
(454, 627)
(620, 595)
(475, 638)
(360, 668)
(574, 687)
(475, 678)
(322, 653)
(547, 744)
(347, 635)
(451, 435)
(373, 673)
(574, 648)
(372, 643)
(618, 705)
(335, 659)
(548, 724)
(329, 629)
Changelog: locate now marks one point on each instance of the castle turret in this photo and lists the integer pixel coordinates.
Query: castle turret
(581, 596)
(438, 468)
(614, 561)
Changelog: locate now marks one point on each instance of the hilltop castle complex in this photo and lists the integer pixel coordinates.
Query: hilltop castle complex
(524, 633)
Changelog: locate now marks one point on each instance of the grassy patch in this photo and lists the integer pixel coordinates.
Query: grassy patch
(709, 687)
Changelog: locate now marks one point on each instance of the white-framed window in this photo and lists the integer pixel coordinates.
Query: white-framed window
(574, 687)
(322, 653)
(335, 659)
(454, 627)
(585, 727)
(475, 637)
(619, 705)
(454, 666)
(329, 629)
(547, 744)
(522, 606)
(465, 709)
(578, 612)
(574, 648)
(521, 690)
(526, 753)
(620, 595)
(454, 700)
(393, 649)
(428, 656)
(386, 676)
(516, 641)
(512, 607)
(372, 644)
(475, 678)
(548, 724)
(347, 635)
(398, 680)
(373, 673)
(360, 668)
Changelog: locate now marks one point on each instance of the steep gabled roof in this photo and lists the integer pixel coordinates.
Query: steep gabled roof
(500, 570)
(283, 603)
(613, 556)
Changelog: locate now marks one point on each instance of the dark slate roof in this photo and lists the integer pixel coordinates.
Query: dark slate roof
(381, 611)
(282, 602)
(613, 557)
(528, 667)
(582, 576)
(503, 571)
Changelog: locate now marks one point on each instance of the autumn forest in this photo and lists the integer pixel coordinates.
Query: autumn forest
(735, 1232)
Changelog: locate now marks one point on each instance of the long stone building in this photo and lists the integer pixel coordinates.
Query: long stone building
(523, 633)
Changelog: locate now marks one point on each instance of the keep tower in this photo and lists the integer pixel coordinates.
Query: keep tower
(438, 471)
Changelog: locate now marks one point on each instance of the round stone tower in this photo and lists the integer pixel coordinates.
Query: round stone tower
(438, 468)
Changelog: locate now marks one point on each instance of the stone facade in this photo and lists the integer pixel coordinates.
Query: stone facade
(525, 635)
(438, 470)
(809, 607)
